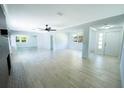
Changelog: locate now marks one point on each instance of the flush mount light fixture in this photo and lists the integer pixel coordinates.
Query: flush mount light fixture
(93, 28)
(106, 26)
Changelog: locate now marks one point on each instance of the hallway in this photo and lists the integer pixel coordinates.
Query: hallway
(66, 68)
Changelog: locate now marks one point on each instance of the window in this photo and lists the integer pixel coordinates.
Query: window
(78, 37)
(21, 38)
(100, 40)
(17, 39)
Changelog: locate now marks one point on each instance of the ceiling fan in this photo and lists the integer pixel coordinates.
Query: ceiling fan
(47, 28)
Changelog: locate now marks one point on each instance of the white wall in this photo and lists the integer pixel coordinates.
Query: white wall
(85, 46)
(122, 63)
(4, 51)
(122, 66)
(60, 40)
(79, 46)
(39, 40)
(13, 41)
(92, 41)
(31, 42)
(43, 41)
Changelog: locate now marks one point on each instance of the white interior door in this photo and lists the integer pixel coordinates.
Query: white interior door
(113, 40)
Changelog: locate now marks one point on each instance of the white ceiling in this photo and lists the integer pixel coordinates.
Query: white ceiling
(31, 16)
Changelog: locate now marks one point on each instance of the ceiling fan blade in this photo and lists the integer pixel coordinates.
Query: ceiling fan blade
(52, 29)
(40, 28)
(46, 29)
(34, 29)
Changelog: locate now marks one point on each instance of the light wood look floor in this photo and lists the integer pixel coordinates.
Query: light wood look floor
(63, 68)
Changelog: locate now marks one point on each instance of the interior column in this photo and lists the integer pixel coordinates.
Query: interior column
(85, 42)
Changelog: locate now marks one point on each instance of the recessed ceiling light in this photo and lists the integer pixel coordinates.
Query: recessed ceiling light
(59, 13)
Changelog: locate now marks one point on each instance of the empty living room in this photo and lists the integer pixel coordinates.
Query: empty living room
(61, 45)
